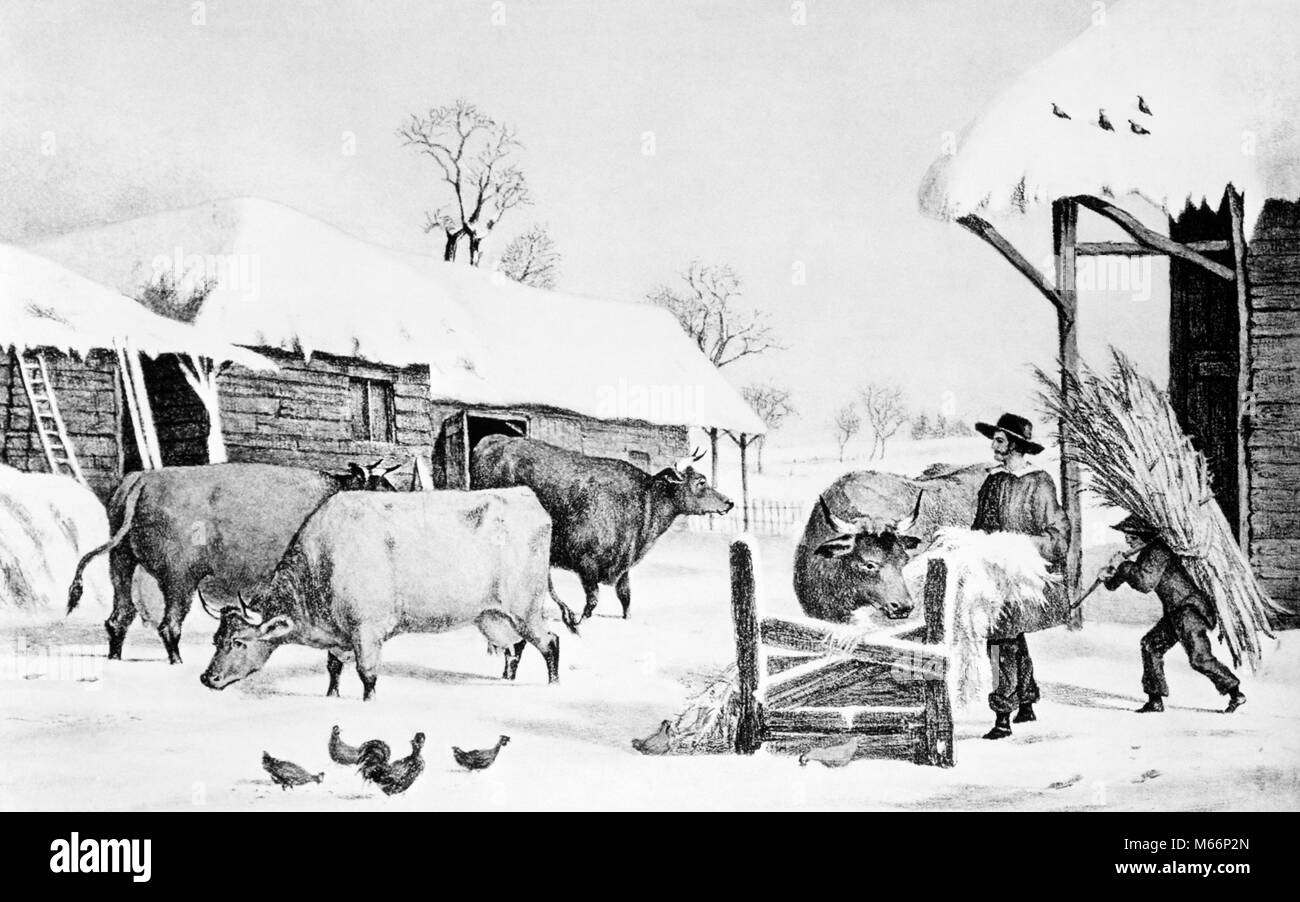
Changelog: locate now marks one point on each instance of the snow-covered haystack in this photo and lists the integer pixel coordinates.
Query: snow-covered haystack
(1221, 91)
(991, 576)
(46, 524)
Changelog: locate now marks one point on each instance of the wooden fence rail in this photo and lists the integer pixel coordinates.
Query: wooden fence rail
(806, 682)
(767, 517)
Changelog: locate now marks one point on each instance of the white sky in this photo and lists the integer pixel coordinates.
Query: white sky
(776, 144)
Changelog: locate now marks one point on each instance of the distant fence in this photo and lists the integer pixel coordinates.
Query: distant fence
(767, 517)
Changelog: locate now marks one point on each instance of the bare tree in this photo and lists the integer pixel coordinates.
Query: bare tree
(707, 312)
(847, 424)
(885, 413)
(473, 152)
(531, 258)
(772, 404)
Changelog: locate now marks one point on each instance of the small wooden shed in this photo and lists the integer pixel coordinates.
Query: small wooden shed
(1201, 163)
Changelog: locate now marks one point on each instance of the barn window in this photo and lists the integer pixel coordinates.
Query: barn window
(372, 410)
(640, 458)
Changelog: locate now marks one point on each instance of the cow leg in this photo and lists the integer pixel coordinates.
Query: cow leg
(121, 565)
(334, 665)
(512, 659)
(552, 654)
(592, 588)
(368, 650)
(177, 596)
(623, 589)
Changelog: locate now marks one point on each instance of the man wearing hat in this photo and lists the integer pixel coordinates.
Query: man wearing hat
(1018, 496)
(1189, 614)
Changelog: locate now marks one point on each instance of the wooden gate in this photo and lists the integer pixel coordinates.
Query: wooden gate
(806, 682)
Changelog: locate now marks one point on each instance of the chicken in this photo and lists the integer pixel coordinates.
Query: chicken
(1059, 113)
(1104, 121)
(1138, 129)
(341, 752)
(1142, 106)
(657, 742)
(831, 755)
(285, 773)
(481, 759)
(395, 777)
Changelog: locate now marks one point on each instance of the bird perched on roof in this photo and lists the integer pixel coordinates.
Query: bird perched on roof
(1059, 113)
(831, 755)
(481, 759)
(285, 773)
(1103, 121)
(1142, 106)
(342, 753)
(393, 777)
(657, 742)
(1137, 129)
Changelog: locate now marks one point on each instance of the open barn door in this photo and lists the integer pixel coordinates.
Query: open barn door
(451, 454)
(1204, 353)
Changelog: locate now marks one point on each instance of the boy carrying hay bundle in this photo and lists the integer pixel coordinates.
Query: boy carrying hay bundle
(1126, 435)
(1188, 615)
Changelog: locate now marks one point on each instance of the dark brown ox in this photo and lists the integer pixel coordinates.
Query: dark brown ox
(862, 529)
(227, 524)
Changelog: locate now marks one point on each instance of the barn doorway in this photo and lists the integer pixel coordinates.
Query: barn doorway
(180, 419)
(480, 426)
(1205, 353)
(460, 433)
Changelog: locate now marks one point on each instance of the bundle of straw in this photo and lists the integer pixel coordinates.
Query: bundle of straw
(1125, 434)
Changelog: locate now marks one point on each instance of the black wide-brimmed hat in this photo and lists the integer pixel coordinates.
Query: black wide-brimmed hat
(1136, 526)
(1017, 428)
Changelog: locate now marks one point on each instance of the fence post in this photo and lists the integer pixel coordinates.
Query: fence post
(744, 614)
(936, 747)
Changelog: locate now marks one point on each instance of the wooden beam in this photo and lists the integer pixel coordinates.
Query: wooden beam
(1245, 371)
(1132, 249)
(1065, 221)
(1150, 238)
(845, 720)
(914, 659)
(1004, 247)
(936, 746)
(744, 616)
(744, 480)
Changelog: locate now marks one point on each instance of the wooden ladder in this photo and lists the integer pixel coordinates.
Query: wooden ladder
(47, 420)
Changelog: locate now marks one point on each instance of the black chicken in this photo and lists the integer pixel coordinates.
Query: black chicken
(1138, 129)
(1142, 106)
(1059, 113)
(480, 759)
(341, 752)
(1104, 121)
(285, 773)
(394, 777)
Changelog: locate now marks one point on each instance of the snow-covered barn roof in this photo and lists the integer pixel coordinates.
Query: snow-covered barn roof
(279, 278)
(43, 304)
(1220, 77)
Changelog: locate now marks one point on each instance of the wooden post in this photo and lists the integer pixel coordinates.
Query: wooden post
(1065, 217)
(744, 479)
(1245, 372)
(744, 614)
(713, 456)
(936, 747)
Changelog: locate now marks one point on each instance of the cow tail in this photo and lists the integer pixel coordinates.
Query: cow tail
(128, 506)
(570, 621)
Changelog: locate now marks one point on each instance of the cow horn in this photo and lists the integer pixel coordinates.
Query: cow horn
(375, 465)
(204, 602)
(844, 527)
(697, 455)
(907, 523)
(252, 618)
(396, 466)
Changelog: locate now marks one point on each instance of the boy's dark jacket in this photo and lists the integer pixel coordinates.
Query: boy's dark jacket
(1157, 567)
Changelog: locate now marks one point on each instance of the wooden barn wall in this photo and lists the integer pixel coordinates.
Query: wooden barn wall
(1273, 442)
(300, 415)
(88, 399)
(599, 438)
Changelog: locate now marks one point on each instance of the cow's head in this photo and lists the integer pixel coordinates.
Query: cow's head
(867, 556)
(373, 478)
(690, 491)
(243, 642)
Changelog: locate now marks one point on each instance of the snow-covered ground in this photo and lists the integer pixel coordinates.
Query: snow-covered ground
(145, 735)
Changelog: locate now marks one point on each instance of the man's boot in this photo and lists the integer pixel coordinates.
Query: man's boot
(1001, 727)
(1235, 701)
(1024, 715)
(1155, 705)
